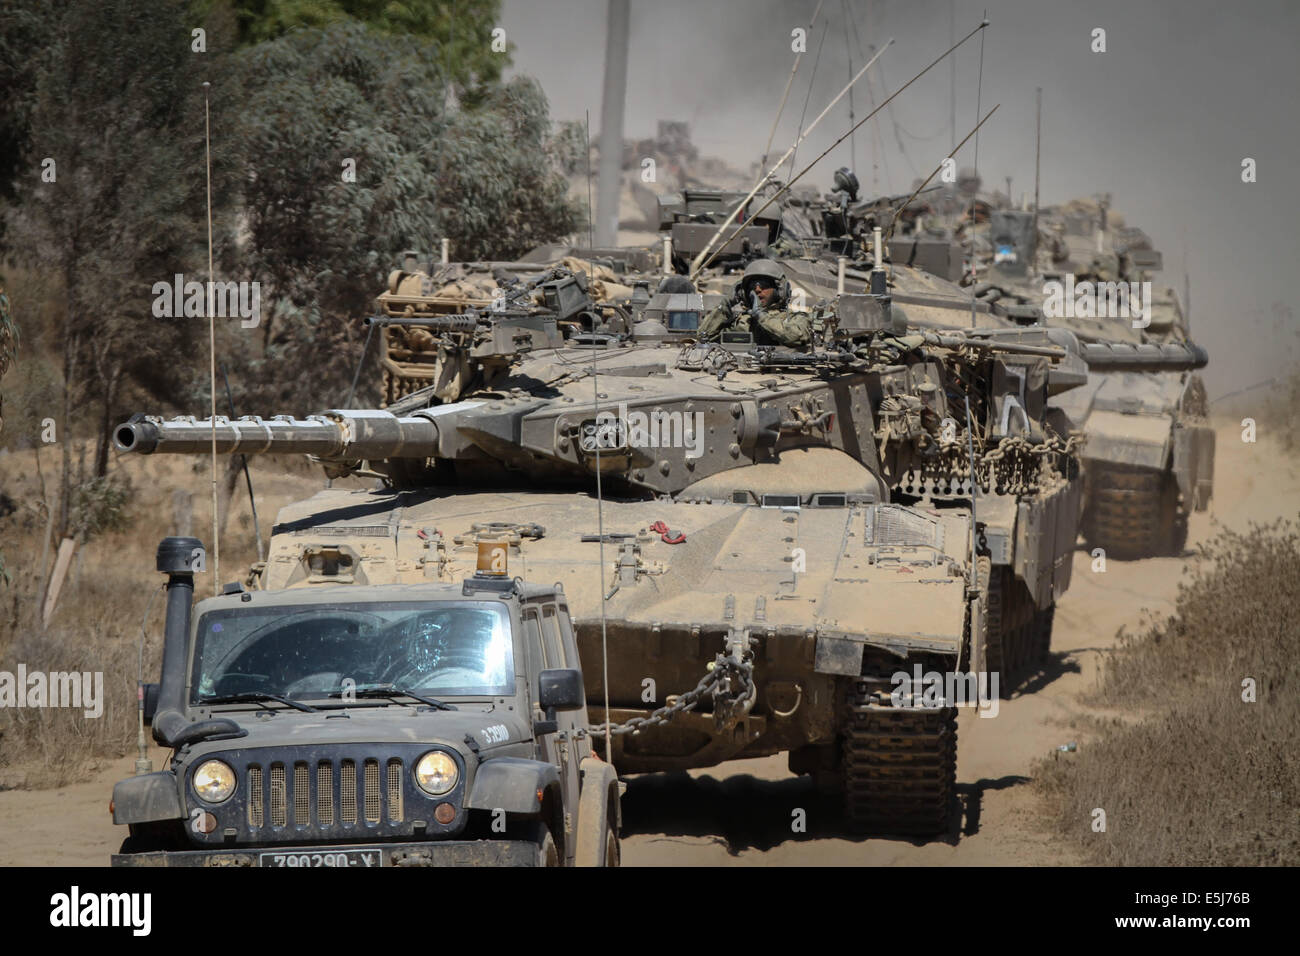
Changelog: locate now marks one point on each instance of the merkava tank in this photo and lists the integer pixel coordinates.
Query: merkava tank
(1149, 449)
(759, 546)
(1149, 455)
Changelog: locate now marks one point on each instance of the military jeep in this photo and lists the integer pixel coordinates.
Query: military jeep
(355, 726)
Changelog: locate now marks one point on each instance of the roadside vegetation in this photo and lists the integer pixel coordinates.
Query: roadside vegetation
(1208, 776)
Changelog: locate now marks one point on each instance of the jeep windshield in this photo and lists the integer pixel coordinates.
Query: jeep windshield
(310, 651)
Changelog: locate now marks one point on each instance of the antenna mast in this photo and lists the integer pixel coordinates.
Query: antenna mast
(212, 347)
(1038, 151)
(786, 95)
(600, 498)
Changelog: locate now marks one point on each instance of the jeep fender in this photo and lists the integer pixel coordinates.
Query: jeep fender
(147, 798)
(512, 784)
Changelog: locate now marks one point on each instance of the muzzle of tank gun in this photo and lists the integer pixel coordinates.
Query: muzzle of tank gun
(352, 435)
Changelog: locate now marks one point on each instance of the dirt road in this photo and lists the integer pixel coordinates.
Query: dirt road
(742, 813)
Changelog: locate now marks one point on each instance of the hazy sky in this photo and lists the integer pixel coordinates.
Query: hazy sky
(1161, 120)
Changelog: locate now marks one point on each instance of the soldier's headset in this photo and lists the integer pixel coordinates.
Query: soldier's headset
(783, 291)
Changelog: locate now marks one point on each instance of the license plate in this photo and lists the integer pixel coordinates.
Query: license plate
(370, 856)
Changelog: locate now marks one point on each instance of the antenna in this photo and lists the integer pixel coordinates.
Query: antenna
(786, 95)
(974, 493)
(979, 94)
(952, 77)
(848, 50)
(811, 80)
(1038, 152)
(212, 346)
(701, 261)
(600, 498)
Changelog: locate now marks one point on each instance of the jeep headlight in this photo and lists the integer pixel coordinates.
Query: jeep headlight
(214, 781)
(436, 773)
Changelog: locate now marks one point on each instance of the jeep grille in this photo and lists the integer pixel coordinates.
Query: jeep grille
(380, 798)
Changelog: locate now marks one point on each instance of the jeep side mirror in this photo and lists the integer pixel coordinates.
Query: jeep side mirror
(561, 689)
(150, 702)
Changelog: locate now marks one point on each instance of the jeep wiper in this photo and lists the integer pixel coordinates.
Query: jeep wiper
(389, 691)
(257, 697)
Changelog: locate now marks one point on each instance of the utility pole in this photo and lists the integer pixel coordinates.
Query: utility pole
(611, 123)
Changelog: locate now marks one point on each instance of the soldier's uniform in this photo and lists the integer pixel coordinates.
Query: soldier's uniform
(770, 326)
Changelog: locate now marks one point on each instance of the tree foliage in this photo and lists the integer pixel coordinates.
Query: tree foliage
(350, 157)
(112, 194)
(344, 132)
(460, 30)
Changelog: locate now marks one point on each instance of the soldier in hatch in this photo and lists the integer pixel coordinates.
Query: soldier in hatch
(763, 295)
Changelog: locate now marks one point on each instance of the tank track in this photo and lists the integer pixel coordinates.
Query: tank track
(1017, 634)
(1134, 514)
(900, 764)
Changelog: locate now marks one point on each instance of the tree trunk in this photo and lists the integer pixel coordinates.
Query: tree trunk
(106, 421)
(70, 342)
(229, 481)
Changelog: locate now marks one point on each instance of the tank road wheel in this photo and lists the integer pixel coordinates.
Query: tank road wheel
(1131, 513)
(900, 765)
(597, 815)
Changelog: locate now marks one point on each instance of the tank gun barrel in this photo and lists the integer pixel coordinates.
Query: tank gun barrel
(434, 323)
(335, 435)
(1147, 357)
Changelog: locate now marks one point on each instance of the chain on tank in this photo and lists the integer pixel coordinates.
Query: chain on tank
(1015, 466)
(716, 683)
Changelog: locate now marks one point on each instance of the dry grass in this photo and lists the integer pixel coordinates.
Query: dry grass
(1205, 779)
(97, 624)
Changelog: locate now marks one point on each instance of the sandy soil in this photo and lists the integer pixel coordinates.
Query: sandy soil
(741, 814)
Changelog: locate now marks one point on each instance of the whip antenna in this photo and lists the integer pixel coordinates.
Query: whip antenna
(916, 192)
(702, 259)
(600, 500)
(212, 347)
(786, 95)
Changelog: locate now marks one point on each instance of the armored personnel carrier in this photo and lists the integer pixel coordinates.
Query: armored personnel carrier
(764, 550)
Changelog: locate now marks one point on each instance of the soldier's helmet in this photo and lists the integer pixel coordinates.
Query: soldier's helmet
(770, 271)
